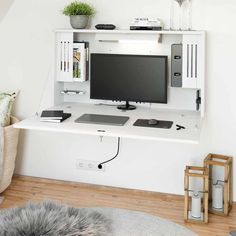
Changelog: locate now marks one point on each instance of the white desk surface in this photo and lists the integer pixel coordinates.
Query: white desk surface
(190, 120)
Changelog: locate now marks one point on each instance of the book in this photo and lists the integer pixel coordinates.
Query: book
(80, 61)
(52, 114)
(65, 116)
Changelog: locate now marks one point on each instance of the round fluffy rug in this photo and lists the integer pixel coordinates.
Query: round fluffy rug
(51, 219)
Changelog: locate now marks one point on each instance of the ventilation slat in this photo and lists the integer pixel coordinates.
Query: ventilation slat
(188, 60)
(196, 59)
(192, 60)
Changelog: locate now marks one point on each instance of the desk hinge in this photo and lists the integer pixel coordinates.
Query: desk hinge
(198, 100)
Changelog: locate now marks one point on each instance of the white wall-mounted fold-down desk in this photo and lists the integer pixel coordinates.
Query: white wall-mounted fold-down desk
(190, 120)
(188, 99)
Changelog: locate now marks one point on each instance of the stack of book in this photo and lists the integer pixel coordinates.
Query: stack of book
(55, 116)
(81, 61)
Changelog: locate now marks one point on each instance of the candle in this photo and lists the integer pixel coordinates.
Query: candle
(196, 206)
(217, 196)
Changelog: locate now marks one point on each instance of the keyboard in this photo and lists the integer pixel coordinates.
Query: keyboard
(102, 119)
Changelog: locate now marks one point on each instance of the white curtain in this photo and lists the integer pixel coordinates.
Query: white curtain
(4, 7)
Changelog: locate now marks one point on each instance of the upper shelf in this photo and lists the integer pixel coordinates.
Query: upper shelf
(114, 35)
(125, 31)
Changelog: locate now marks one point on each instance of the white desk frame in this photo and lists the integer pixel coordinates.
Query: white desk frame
(189, 119)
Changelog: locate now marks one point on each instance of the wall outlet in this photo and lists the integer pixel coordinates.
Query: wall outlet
(88, 165)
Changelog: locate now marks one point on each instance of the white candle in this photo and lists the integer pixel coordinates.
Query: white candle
(196, 206)
(217, 196)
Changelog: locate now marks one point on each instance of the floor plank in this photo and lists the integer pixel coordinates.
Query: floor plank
(24, 189)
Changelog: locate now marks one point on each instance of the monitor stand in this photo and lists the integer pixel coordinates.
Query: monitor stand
(127, 106)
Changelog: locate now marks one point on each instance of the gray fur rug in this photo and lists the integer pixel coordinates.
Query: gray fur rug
(51, 219)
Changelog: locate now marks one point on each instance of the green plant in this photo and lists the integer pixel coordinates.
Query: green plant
(78, 8)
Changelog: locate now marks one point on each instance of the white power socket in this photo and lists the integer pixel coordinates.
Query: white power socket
(88, 165)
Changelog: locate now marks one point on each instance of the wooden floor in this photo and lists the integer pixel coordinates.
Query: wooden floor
(24, 189)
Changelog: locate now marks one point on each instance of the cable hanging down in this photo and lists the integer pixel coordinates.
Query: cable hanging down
(117, 153)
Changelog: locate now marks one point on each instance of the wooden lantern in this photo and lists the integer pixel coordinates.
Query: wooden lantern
(202, 173)
(226, 183)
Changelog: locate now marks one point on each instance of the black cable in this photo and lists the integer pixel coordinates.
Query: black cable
(117, 153)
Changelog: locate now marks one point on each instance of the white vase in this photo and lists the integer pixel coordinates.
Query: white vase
(181, 15)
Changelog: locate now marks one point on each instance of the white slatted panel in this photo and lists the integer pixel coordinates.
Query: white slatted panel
(194, 65)
(191, 68)
(64, 57)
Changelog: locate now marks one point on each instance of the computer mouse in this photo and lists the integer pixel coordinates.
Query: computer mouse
(153, 122)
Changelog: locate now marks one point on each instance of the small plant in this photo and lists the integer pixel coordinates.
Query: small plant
(78, 8)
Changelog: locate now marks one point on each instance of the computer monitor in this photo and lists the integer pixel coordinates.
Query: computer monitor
(136, 78)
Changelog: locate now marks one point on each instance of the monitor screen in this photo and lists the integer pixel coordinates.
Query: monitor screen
(136, 78)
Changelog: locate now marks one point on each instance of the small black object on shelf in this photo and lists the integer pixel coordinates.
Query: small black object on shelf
(198, 100)
(179, 127)
(154, 28)
(105, 27)
(153, 122)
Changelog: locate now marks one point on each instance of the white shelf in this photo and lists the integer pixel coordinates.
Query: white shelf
(190, 120)
(125, 31)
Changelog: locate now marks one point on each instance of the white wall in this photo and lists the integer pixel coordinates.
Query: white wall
(26, 54)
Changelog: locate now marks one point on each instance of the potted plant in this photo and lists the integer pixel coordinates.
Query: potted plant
(79, 13)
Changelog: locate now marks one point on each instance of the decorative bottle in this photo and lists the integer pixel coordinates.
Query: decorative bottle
(181, 15)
